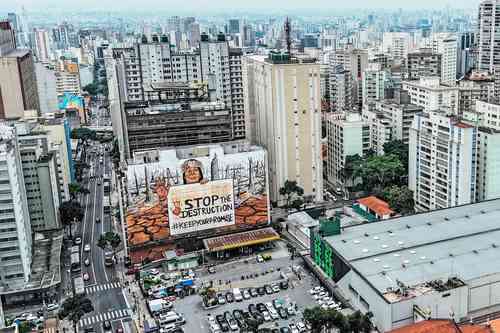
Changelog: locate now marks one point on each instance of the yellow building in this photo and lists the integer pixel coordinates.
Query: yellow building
(283, 105)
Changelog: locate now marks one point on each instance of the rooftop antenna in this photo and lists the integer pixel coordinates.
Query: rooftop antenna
(287, 36)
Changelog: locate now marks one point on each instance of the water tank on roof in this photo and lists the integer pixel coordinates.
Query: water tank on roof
(204, 37)
(155, 39)
(164, 39)
(144, 39)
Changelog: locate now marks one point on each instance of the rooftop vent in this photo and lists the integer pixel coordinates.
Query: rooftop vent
(384, 246)
(429, 224)
(397, 255)
(365, 250)
(408, 227)
(483, 211)
(344, 241)
(494, 245)
(451, 254)
(356, 241)
(376, 259)
(446, 218)
(376, 238)
(367, 235)
(413, 252)
(423, 257)
(475, 251)
(467, 216)
(432, 262)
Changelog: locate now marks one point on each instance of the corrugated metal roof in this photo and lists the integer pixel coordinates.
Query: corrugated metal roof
(462, 241)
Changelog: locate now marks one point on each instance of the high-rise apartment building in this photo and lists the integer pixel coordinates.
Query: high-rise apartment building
(446, 45)
(46, 86)
(442, 162)
(488, 35)
(374, 83)
(68, 78)
(347, 135)
(42, 45)
(18, 89)
(15, 230)
(284, 106)
(40, 176)
(422, 63)
(430, 94)
(340, 89)
(398, 44)
(214, 63)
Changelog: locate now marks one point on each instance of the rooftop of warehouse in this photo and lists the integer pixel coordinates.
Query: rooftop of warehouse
(414, 250)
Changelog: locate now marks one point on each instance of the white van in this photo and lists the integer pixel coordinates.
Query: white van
(171, 318)
(237, 295)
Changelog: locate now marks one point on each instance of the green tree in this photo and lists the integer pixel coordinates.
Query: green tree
(70, 212)
(378, 172)
(91, 88)
(399, 198)
(84, 134)
(351, 163)
(76, 188)
(253, 324)
(74, 308)
(316, 317)
(291, 191)
(398, 148)
(109, 240)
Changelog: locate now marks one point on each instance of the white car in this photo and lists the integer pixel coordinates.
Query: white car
(259, 258)
(246, 294)
(86, 248)
(86, 276)
(266, 315)
(52, 307)
(154, 271)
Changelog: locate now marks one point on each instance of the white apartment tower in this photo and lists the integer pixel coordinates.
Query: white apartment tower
(15, 228)
(347, 135)
(284, 103)
(488, 36)
(442, 162)
(430, 94)
(446, 45)
(374, 79)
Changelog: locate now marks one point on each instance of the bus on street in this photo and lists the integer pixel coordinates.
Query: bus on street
(75, 262)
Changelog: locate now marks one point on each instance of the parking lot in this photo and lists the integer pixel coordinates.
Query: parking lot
(251, 274)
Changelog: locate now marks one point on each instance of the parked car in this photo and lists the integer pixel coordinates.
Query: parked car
(52, 307)
(246, 294)
(77, 241)
(221, 299)
(283, 314)
(211, 269)
(224, 326)
(261, 291)
(293, 328)
(268, 289)
(229, 297)
(284, 285)
(86, 276)
(97, 220)
(86, 248)
(261, 307)
(276, 288)
(86, 262)
(253, 292)
(259, 258)
(266, 315)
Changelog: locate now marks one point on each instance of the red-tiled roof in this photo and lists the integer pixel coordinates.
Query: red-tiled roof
(377, 205)
(442, 326)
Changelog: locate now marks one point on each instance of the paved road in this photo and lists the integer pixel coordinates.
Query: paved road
(103, 287)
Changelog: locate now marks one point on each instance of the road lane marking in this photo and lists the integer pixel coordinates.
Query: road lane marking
(92, 234)
(102, 218)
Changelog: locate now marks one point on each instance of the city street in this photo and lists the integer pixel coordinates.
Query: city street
(103, 286)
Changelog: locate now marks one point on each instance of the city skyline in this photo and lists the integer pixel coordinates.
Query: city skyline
(200, 6)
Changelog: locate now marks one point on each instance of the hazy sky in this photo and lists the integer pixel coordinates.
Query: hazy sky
(210, 5)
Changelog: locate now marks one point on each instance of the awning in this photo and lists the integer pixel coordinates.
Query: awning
(241, 239)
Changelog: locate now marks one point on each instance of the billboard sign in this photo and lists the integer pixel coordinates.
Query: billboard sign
(195, 193)
(197, 207)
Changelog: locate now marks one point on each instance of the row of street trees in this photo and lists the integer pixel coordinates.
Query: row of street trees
(331, 320)
(382, 175)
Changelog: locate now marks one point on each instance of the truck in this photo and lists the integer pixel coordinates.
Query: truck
(109, 258)
(159, 306)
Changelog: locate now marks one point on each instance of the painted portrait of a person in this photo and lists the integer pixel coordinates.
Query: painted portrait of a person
(192, 172)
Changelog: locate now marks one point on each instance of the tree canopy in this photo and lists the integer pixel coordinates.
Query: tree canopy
(398, 148)
(380, 171)
(69, 212)
(399, 198)
(76, 188)
(320, 319)
(83, 133)
(74, 308)
(109, 240)
(293, 194)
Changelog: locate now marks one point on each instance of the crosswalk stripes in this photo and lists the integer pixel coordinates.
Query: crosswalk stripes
(111, 315)
(102, 287)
